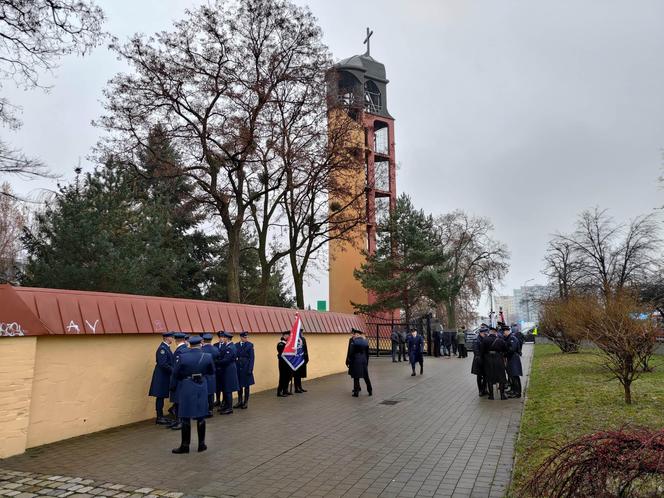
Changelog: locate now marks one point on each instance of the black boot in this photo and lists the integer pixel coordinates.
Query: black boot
(421, 369)
(245, 398)
(186, 439)
(201, 435)
(502, 392)
(239, 399)
(490, 390)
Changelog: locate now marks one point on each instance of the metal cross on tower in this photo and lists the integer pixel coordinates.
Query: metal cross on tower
(367, 40)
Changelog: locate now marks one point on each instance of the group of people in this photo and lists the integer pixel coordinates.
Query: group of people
(196, 372)
(497, 360)
(286, 372)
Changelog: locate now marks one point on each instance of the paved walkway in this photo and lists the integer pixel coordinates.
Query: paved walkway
(429, 435)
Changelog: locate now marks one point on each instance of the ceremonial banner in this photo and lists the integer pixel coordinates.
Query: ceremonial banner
(293, 353)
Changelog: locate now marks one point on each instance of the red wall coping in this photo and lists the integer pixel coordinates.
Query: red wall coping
(27, 311)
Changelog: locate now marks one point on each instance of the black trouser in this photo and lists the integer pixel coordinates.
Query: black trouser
(436, 349)
(454, 348)
(210, 402)
(284, 380)
(402, 351)
(227, 400)
(395, 349)
(297, 381)
(481, 384)
(367, 381)
(515, 384)
(420, 361)
(243, 395)
(186, 431)
(462, 350)
(159, 406)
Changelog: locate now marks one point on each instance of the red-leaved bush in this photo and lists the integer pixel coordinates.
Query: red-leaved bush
(620, 463)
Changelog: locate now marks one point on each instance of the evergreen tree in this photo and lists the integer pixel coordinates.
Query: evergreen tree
(409, 264)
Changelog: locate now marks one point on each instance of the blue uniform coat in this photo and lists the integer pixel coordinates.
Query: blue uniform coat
(211, 379)
(161, 375)
(415, 348)
(179, 351)
(513, 364)
(357, 358)
(188, 377)
(228, 374)
(245, 363)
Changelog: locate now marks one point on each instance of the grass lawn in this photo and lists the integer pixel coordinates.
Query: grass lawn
(570, 394)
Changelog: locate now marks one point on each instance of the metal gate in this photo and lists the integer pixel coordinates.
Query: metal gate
(379, 333)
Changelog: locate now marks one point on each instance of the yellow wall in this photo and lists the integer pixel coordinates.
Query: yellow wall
(59, 387)
(16, 376)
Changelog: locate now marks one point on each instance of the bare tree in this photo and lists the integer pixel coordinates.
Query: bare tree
(213, 82)
(34, 35)
(13, 218)
(476, 260)
(609, 256)
(561, 266)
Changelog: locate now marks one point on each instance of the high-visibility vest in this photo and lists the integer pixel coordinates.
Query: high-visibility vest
(535, 331)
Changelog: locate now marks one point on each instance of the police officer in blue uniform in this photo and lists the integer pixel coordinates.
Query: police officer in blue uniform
(180, 348)
(161, 376)
(245, 369)
(210, 379)
(188, 378)
(415, 350)
(217, 366)
(227, 364)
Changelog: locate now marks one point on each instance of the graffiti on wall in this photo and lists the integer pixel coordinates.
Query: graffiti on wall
(11, 329)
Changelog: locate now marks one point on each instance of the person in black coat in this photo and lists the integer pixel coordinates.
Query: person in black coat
(161, 376)
(188, 377)
(447, 343)
(477, 368)
(437, 338)
(285, 371)
(415, 350)
(357, 361)
(301, 372)
(211, 379)
(513, 362)
(492, 349)
(245, 369)
(228, 377)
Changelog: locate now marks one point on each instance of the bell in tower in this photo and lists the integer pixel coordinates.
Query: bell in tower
(358, 87)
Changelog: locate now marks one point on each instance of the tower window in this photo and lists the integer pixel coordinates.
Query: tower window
(372, 97)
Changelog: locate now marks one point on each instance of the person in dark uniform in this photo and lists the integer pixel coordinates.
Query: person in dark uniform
(513, 362)
(415, 350)
(211, 379)
(357, 361)
(493, 348)
(217, 367)
(477, 368)
(301, 372)
(447, 343)
(285, 371)
(180, 349)
(437, 334)
(245, 369)
(394, 338)
(161, 376)
(188, 377)
(227, 363)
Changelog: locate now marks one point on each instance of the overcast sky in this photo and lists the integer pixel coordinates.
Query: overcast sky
(523, 111)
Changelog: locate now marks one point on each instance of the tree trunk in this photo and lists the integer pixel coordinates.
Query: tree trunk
(264, 286)
(233, 265)
(628, 392)
(298, 282)
(450, 307)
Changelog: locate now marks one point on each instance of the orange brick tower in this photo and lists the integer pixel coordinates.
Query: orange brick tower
(360, 85)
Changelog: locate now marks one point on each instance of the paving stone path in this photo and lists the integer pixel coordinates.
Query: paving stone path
(428, 435)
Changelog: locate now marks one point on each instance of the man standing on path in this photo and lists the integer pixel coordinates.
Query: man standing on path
(394, 337)
(478, 367)
(161, 376)
(493, 348)
(357, 361)
(228, 367)
(189, 374)
(416, 350)
(437, 334)
(461, 342)
(285, 371)
(180, 349)
(211, 379)
(513, 362)
(245, 369)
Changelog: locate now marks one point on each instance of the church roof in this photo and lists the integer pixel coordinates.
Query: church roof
(365, 63)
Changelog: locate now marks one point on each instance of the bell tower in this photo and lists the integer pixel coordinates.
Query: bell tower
(359, 88)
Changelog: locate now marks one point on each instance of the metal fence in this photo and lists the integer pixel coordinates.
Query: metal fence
(379, 333)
